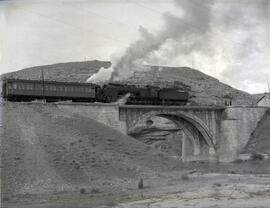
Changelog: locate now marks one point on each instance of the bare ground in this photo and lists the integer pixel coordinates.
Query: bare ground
(200, 190)
(51, 158)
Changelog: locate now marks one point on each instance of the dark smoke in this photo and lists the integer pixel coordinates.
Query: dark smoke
(194, 22)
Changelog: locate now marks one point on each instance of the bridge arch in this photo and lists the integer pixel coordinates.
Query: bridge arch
(194, 128)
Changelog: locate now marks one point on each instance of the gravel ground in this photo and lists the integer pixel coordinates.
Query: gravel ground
(248, 191)
(201, 190)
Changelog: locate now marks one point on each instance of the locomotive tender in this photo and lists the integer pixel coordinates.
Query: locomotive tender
(28, 90)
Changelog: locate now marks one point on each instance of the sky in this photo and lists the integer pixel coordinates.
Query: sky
(227, 39)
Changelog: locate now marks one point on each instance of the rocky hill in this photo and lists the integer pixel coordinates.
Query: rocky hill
(204, 89)
(257, 97)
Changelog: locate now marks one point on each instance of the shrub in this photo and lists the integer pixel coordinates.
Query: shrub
(5, 199)
(217, 184)
(184, 177)
(140, 184)
(111, 204)
(83, 191)
(94, 191)
(256, 156)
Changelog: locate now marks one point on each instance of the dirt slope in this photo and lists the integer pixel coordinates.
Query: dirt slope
(46, 150)
(260, 141)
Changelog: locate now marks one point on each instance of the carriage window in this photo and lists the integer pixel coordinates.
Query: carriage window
(53, 88)
(39, 87)
(14, 85)
(46, 87)
(29, 87)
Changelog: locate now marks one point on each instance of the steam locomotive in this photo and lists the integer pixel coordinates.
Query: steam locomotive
(29, 90)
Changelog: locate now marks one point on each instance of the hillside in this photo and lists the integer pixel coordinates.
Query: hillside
(69, 72)
(257, 97)
(260, 140)
(46, 150)
(205, 89)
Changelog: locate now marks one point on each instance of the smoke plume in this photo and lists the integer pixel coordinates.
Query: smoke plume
(103, 75)
(194, 23)
(225, 39)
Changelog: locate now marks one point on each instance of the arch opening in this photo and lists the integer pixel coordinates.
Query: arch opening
(194, 142)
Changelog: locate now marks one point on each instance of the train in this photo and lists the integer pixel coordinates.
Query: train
(52, 91)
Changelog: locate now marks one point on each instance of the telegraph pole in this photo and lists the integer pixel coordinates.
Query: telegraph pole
(268, 90)
(43, 84)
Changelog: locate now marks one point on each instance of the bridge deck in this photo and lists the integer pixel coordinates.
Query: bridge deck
(172, 107)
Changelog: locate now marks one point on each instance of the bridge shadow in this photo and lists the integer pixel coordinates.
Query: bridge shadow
(192, 140)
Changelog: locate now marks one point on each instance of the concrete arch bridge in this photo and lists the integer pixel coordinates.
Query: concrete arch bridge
(198, 124)
(210, 133)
